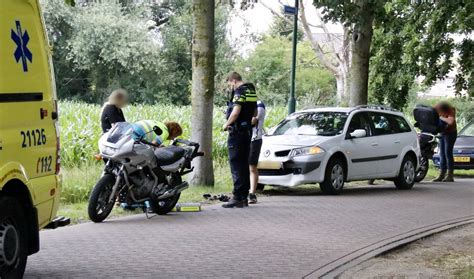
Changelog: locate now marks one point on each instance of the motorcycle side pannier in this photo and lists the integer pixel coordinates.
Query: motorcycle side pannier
(427, 119)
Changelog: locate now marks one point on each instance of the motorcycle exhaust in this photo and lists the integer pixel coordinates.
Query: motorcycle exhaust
(170, 193)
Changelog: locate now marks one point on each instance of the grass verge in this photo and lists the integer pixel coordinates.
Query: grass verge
(78, 183)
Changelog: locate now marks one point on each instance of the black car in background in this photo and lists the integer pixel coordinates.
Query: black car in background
(463, 149)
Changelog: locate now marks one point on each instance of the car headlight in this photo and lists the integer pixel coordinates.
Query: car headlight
(310, 150)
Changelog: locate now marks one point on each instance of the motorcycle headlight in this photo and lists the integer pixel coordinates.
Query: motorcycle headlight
(107, 150)
(310, 150)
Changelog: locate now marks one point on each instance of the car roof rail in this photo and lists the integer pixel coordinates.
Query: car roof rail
(375, 107)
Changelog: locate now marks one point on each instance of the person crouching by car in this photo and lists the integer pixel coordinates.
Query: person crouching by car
(112, 110)
(255, 147)
(447, 114)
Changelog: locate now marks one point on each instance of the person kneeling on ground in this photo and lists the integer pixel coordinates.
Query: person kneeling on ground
(145, 130)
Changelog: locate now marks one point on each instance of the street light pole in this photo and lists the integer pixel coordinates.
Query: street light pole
(292, 101)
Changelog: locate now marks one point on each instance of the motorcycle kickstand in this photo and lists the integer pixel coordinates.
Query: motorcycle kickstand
(147, 211)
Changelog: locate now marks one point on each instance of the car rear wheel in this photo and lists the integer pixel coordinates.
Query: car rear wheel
(406, 175)
(334, 177)
(13, 239)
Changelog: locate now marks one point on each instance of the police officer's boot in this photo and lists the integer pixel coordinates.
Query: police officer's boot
(449, 177)
(233, 203)
(442, 174)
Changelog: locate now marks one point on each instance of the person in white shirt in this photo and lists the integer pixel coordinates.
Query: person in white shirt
(255, 147)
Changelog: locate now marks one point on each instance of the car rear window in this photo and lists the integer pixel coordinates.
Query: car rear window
(386, 124)
(468, 131)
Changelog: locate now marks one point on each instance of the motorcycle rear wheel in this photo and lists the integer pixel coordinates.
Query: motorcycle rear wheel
(165, 206)
(423, 171)
(99, 208)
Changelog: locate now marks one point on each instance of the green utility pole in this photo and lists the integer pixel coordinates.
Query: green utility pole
(292, 101)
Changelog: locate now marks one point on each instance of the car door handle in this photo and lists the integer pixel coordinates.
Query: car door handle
(375, 144)
(397, 141)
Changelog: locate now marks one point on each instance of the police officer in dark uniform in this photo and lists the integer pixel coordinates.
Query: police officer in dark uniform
(241, 109)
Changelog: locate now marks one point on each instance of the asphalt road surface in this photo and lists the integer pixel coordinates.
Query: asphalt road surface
(284, 236)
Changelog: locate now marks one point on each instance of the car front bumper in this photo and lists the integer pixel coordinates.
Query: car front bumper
(291, 173)
(457, 165)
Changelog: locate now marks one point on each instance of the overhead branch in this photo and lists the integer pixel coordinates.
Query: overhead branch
(316, 46)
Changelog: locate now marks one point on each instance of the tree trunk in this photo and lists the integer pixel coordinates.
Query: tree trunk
(339, 90)
(202, 94)
(342, 85)
(361, 40)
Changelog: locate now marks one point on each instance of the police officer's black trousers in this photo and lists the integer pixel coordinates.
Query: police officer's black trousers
(239, 150)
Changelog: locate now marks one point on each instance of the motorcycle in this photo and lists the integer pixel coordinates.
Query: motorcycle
(428, 145)
(427, 120)
(138, 173)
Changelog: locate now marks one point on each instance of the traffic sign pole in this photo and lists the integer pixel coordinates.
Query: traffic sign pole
(292, 100)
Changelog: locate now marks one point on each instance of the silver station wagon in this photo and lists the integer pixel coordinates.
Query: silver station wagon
(331, 146)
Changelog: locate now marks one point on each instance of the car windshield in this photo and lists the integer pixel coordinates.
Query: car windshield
(468, 131)
(312, 124)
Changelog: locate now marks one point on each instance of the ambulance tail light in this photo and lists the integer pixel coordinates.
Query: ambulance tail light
(58, 143)
(58, 156)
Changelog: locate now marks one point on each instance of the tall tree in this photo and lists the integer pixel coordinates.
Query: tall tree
(358, 15)
(361, 40)
(202, 93)
(337, 60)
(333, 51)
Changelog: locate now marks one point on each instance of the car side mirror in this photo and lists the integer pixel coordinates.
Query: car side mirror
(157, 130)
(359, 133)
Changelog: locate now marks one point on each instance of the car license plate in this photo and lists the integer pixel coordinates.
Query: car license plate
(462, 159)
(269, 165)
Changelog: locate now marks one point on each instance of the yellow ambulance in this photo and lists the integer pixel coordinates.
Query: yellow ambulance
(29, 138)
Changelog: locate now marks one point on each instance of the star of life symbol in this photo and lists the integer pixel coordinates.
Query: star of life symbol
(22, 52)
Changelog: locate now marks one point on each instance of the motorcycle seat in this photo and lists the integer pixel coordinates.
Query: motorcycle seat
(168, 155)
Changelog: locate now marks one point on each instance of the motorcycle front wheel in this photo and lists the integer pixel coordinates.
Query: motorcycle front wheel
(99, 206)
(424, 166)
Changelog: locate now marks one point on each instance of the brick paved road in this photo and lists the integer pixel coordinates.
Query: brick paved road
(281, 237)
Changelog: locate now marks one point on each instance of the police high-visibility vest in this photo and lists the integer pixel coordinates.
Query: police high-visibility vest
(145, 128)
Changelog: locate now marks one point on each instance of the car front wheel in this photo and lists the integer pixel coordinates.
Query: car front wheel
(333, 178)
(406, 175)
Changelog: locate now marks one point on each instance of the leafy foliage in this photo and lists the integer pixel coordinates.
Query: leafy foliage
(269, 67)
(143, 47)
(283, 27)
(419, 40)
